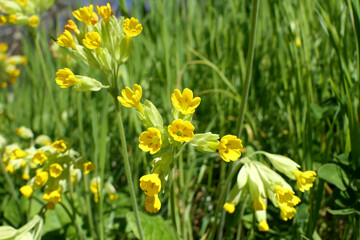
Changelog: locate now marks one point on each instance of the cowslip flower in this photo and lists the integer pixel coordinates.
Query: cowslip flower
(59, 145)
(181, 131)
(185, 101)
(287, 212)
(12, 18)
(26, 190)
(71, 27)
(304, 179)
(150, 184)
(230, 148)
(88, 167)
(17, 154)
(86, 15)
(22, 2)
(41, 177)
(152, 204)
(39, 157)
(24, 132)
(2, 20)
(150, 140)
(105, 12)
(92, 40)
(55, 170)
(284, 195)
(34, 21)
(132, 27)
(131, 98)
(95, 188)
(263, 226)
(66, 40)
(52, 198)
(229, 207)
(65, 78)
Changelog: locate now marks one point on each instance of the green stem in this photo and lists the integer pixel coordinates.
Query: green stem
(73, 220)
(173, 205)
(127, 168)
(249, 64)
(73, 215)
(86, 181)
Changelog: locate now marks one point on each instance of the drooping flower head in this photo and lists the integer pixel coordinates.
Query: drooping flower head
(229, 207)
(181, 131)
(304, 179)
(34, 21)
(131, 98)
(152, 204)
(92, 40)
(230, 148)
(41, 177)
(150, 140)
(185, 101)
(65, 78)
(150, 184)
(66, 40)
(71, 27)
(55, 170)
(132, 27)
(284, 195)
(88, 167)
(26, 190)
(17, 154)
(105, 12)
(86, 15)
(52, 198)
(59, 145)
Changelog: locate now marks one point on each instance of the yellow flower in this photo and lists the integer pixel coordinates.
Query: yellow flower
(95, 185)
(263, 226)
(105, 12)
(59, 145)
(185, 101)
(12, 18)
(88, 167)
(10, 168)
(150, 184)
(287, 212)
(26, 190)
(284, 195)
(259, 204)
(229, 207)
(17, 154)
(298, 42)
(55, 170)
(25, 176)
(22, 2)
(150, 140)
(113, 197)
(3, 46)
(66, 40)
(152, 204)
(230, 147)
(34, 21)
(41, 177)
(181, 131)
(71, 27)
(131, 98)
(132, 27)
(86, 15)
(92, 40)
(2, 20)
(39, 157)
(13, 73)
(52, 198)
(304, 179)
(65, 78)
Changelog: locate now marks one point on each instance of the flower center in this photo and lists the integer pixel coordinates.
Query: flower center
(179, 133)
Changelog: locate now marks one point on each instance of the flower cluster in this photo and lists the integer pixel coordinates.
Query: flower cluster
(51, 164)
(164, 141)
(23, 12)
(263, 183)
(102, 44)
(8, 70)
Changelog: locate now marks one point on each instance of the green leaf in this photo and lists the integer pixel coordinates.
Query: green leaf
(334, 174)
(342, 211)
(154, 227)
